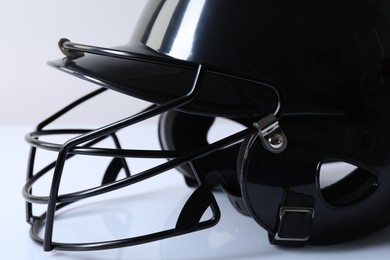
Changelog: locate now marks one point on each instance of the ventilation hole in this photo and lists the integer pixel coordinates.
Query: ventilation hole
(343, 184)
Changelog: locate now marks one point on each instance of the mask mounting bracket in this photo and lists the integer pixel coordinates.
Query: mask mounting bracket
(271, 134)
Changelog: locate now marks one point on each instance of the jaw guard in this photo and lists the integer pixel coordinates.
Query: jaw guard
(200, 200)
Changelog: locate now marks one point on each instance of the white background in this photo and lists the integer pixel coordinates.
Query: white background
(31, 91)
(29, 32)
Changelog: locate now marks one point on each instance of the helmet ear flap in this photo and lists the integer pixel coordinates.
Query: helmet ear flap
(184, 132)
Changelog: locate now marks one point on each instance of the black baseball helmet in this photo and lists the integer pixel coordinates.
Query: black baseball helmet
(308, 80)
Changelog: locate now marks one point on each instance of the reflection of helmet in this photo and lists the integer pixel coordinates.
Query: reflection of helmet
(319, 70)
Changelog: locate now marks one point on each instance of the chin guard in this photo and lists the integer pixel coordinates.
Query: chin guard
(84, 143)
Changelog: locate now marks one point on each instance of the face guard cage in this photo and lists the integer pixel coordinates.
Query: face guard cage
(201, 199)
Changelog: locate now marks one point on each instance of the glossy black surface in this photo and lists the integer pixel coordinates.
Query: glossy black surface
(313, 139)
(322, 67)
(321, 56)
(324, 56)
(330, 62)
(219, 94)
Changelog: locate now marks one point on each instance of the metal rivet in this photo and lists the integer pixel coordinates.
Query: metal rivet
(276, 141)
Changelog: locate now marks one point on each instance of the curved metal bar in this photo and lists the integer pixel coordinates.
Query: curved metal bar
(112, 244)
(32, 154)
(32, 138)
(103, 131)
(163, 60)
(87, 137)
(32, 178)
(70, 107)
(118, 146)
(71, 197)
(38, 223)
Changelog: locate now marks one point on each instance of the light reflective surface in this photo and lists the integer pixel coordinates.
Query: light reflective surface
(174, 30)
(235, 237)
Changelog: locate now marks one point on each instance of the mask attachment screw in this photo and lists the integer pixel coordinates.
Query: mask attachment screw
(276, 141)
(271, 134)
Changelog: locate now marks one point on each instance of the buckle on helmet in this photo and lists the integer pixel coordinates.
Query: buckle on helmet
(296, 217)
(295, 224)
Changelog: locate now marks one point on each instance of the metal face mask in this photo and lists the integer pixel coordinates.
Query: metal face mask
(308, 81)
